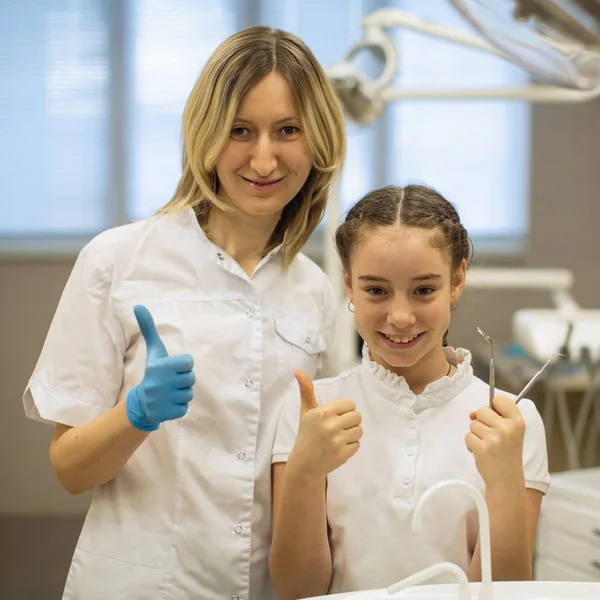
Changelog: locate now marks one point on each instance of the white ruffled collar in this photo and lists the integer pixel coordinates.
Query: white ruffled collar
(395, 387)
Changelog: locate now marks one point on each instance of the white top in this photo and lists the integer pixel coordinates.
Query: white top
(410, 442)
(190, 514)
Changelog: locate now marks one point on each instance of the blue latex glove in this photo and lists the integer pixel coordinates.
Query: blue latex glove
(166, 388)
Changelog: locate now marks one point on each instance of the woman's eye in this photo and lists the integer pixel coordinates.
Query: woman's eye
(290, 130)
(239, 131)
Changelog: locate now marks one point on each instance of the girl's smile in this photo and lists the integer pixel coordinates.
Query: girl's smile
(401, 342)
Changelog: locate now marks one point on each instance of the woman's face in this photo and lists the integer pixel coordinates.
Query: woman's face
(402, 286)
(266, 161)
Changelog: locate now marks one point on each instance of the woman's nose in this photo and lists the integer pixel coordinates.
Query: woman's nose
(263, 160)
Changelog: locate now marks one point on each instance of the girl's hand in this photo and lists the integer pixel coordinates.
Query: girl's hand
(328, 434)
(496, 441)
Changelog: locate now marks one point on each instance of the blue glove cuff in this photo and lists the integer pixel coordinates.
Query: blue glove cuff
(135, 413)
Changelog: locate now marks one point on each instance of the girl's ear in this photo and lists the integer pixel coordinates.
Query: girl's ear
(348, 285)
(459, 279)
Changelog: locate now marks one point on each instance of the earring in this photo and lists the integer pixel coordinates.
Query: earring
(350, 306)
(454, 304)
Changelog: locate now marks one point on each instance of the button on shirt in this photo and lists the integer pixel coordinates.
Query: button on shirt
(409, 444)
(189, 515)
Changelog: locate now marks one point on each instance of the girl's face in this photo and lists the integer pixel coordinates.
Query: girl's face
(266, 161)
(402, 286)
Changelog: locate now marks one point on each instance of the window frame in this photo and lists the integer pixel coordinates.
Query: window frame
(491, 250)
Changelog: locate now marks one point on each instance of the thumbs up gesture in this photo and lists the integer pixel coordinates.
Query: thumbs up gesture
(328, 435)
(166, 388)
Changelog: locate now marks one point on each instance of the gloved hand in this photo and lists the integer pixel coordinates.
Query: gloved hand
(166, 388)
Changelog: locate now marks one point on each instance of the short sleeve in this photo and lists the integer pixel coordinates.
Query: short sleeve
(80, 369)
(535, 454)
(330, 362)
(287, 426)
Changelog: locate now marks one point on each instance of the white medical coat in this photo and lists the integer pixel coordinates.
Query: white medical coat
(189, 517)
(410, 442)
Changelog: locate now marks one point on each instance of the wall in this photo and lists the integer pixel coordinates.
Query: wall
(565, 213)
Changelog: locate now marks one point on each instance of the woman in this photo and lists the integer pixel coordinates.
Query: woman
(169, 413)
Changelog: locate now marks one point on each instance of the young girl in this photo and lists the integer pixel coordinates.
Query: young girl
(354, 453)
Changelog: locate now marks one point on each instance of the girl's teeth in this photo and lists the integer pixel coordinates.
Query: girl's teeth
(400, 340)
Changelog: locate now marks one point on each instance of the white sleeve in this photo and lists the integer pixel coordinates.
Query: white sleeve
(79, 372)
(287, 426)
(330, 359)
(535, 454)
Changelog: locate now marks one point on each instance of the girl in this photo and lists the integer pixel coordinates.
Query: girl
(182, 507)
(354, 453)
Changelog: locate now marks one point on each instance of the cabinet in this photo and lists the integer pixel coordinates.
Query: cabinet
(568, 536)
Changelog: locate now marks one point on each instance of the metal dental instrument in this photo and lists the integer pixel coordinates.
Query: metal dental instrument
(492, 376)
(535, 378)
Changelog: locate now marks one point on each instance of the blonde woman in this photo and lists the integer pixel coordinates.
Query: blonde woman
(169, 411)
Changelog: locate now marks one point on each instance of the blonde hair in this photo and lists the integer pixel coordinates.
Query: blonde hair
(238, 64)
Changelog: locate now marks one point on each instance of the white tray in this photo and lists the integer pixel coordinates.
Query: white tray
(542, 332)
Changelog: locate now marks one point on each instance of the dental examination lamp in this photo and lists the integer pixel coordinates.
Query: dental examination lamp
(556, 41)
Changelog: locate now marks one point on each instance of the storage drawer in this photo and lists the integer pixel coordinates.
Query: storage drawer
(546, 568)
(570, 550)
(581, 487)
(577, 520)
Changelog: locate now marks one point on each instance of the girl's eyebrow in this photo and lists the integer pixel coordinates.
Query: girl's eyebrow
(378, 278)
(427, 276)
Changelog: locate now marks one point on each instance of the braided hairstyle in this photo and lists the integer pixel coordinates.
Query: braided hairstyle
(414, 206)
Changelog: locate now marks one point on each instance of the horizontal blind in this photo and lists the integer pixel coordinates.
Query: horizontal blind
(54, 117)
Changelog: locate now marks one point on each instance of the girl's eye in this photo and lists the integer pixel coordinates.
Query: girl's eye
(290, 130)
(424, 291)
(375, 291)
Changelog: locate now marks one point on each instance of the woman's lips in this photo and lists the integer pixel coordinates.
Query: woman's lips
(263, 185)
